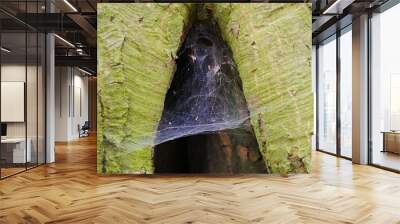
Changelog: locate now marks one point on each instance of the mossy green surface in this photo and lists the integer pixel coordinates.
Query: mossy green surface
(137, 43)
(271, 45)
(136, 50)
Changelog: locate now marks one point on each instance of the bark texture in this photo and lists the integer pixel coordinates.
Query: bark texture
(271, 45)
(137, 44)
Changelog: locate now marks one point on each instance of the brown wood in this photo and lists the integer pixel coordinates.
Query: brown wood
(391, 142)
(233, 151)
(9, 170)
(70, 191)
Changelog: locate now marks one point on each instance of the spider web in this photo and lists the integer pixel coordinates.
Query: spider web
(206, 92)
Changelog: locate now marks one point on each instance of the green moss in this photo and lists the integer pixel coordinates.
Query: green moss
(134, 162)
(271, 44)
(136, 48)
(137, 43)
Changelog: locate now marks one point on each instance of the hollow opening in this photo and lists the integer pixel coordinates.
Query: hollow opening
(205, 125)
(205, 41)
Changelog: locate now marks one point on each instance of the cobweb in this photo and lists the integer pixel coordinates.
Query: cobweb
(206, 92)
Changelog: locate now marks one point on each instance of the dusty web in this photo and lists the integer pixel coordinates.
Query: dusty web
(206, 92)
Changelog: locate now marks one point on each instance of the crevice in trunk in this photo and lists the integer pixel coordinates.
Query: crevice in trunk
(205, 126)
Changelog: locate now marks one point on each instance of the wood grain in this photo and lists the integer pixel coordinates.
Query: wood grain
(70, 191)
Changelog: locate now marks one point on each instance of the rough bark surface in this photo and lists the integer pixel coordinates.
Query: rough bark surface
(271, 45)
(137, 43)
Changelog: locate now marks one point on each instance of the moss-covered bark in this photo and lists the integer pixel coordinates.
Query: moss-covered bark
(271, 44)
(136, 49)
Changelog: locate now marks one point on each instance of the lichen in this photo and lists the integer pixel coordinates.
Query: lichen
(271, 46)
(136, 48)
(137, 45)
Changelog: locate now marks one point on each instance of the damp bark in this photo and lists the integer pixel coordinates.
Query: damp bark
(205, 125)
